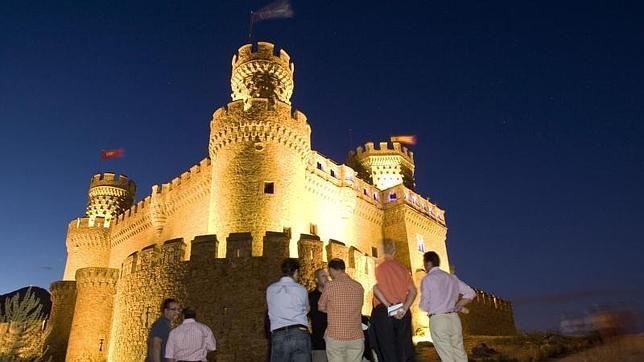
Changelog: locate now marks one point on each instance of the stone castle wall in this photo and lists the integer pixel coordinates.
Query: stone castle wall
(177, 209)
(489, 316)
(228, 294)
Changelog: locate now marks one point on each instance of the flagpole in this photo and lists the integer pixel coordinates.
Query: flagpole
(100, 159)
(250, 28)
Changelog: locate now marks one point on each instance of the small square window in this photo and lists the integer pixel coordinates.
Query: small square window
(374, 251)
(333, 173)
(365, 192)
(269, 187)
(393, 196)
(320, 166)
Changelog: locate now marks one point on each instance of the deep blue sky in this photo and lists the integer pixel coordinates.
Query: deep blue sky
(528, 114)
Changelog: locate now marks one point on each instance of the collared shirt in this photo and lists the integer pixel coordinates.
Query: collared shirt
(318, 321)
(161, 329)
(190, 341)
(440, 291)
(393, 280)
(287, 302)
(342, 299)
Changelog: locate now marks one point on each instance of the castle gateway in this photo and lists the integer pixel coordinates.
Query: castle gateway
(214, 236)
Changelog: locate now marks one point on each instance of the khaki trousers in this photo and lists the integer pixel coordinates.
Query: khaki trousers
(447, 335)
(344, 351)
(319, 355)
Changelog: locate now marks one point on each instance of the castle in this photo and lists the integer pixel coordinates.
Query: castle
(214, 236)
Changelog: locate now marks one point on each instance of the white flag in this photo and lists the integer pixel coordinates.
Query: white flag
(274, 10)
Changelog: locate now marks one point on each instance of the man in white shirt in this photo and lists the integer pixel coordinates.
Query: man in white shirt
(288, 305)
(443, 296)
(190, 341)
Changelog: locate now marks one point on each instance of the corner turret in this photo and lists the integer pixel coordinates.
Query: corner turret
(108, 196)
(387, 166)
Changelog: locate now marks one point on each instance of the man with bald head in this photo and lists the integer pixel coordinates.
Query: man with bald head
(394, 285)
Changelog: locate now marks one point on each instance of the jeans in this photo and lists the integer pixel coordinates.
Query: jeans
(291, 345)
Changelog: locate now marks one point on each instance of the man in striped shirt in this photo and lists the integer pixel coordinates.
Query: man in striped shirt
(190, 341)
(342, 300)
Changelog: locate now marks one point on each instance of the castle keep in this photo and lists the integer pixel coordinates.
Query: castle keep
(214, 236)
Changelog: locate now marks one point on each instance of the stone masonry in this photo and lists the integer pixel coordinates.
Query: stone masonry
(214, 236)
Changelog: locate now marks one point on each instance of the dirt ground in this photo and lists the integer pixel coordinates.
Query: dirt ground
(623, 349)
(544, 347)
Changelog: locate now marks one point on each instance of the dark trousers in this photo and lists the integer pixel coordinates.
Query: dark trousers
(393, 336)
(291, 345)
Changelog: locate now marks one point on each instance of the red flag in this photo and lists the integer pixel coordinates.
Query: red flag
(405, 139)
(107, 154)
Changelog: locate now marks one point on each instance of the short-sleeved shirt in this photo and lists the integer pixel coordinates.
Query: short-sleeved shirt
(190, 341)
(160, 328)
(342, 298)
(287, 302)
(318, 321)
(393, 280)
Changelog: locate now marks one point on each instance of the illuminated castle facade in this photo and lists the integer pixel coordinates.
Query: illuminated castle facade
(214, 236)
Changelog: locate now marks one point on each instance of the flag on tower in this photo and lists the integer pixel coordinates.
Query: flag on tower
(275, 10)
(404, 139)
(115, 153)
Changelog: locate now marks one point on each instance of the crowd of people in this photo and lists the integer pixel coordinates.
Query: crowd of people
(326, 324)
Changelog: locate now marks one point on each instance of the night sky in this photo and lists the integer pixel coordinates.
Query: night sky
(528, 115)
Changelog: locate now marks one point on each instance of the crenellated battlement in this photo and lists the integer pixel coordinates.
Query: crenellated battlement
(112, 179)
(97, 277)
(62, 289)
(264, 51)
(262, 71)
(239, 107)
(88, 223)
(383, 149)
(489, 315)
(259, 123)
(133, 211)
(492, 301)
(184, 178)
(342, 175)
(200, 169)
(238, 246)
(401, 194)
(385, 166)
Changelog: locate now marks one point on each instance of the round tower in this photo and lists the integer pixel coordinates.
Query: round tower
(259, 148)
(384, 167)
(63, 300)
(108, 196)
(260, 73)
(90, 330)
